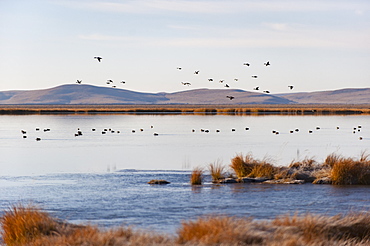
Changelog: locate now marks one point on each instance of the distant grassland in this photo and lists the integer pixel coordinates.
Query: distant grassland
(254, 109)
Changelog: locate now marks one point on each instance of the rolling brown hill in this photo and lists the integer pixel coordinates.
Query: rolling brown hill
(89, 94)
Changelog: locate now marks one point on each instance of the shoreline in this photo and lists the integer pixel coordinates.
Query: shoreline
(247, 109)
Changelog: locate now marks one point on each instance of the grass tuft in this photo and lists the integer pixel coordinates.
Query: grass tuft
(217, 171)
(196, 177)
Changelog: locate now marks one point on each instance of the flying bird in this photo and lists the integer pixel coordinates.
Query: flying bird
(291, 87)
(254, 76)
(196, 72)
(185, 83)
(78, 81)
(230, 97)
(267, 63)
(98, 58)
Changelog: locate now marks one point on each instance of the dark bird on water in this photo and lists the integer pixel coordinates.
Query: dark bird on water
(186, 83)
(178, 68)
(196, 72)
(227, 86)
(291, 87)
(246, 64)
(123, 82)
(230, 97)
(267, 63)
(266, 91)
(254, 76)
(109, 81)
(79, 81)
(98, 58)
(211, 80)
(256, 88)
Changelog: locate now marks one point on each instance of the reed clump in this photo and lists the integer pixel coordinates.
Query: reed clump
(196, 177)
(349, 171)
(217, 171)
(243, 165)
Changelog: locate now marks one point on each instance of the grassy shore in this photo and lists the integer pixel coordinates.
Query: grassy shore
(28, 225)
(256, 109)
(336, 170)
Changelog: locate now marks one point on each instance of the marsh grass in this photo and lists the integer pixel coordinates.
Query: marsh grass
(196, 177)
(243, 166)
(263, 170)
(28, 225)
(217, 171)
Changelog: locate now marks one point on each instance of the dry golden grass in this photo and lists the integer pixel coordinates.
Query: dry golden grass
(196, 177)
(32, 227)
(348, 171)
(243, 166)
(217, 171)
(263, 170)
(21, 225)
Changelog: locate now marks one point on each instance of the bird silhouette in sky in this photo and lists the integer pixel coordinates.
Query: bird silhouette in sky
(79, 81)
(267, 63)
(291, 87)
(230, 97)
(98, 58)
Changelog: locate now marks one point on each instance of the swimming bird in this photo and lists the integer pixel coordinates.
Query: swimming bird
(123, 82)
(78, 81)
(109, 81)
(178, 68)
(227, 86)
(267, 63)
(290, 87)
(266, 91)
(256, 88)
(196, 72)
(230, 97)
(211, 80)
(98, 58)
(186, 83)
(236, 79)
(222, 80)
(254, 76)
(246, 64)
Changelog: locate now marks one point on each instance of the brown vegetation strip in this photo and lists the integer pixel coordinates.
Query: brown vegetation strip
(296, 109)
(33, 227)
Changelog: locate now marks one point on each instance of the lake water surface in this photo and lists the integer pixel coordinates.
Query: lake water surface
(101, 178)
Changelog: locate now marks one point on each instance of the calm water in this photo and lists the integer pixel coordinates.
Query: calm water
(101, 178)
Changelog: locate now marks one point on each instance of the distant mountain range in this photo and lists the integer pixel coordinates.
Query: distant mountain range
(89, 94)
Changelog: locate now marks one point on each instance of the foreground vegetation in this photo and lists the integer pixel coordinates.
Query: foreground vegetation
(28, 225)
(336, 169)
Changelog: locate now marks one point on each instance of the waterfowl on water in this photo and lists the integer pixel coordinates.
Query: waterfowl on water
(230, 97)
(79, 81)
(267, 63)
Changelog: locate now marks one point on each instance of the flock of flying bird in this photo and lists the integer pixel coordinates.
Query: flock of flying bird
(257, 88)
(109, 81)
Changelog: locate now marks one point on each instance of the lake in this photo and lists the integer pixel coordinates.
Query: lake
(101, 178)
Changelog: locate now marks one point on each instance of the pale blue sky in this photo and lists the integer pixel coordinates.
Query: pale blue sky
(313, 45)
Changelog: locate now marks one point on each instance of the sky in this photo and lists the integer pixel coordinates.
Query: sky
(313, 45)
